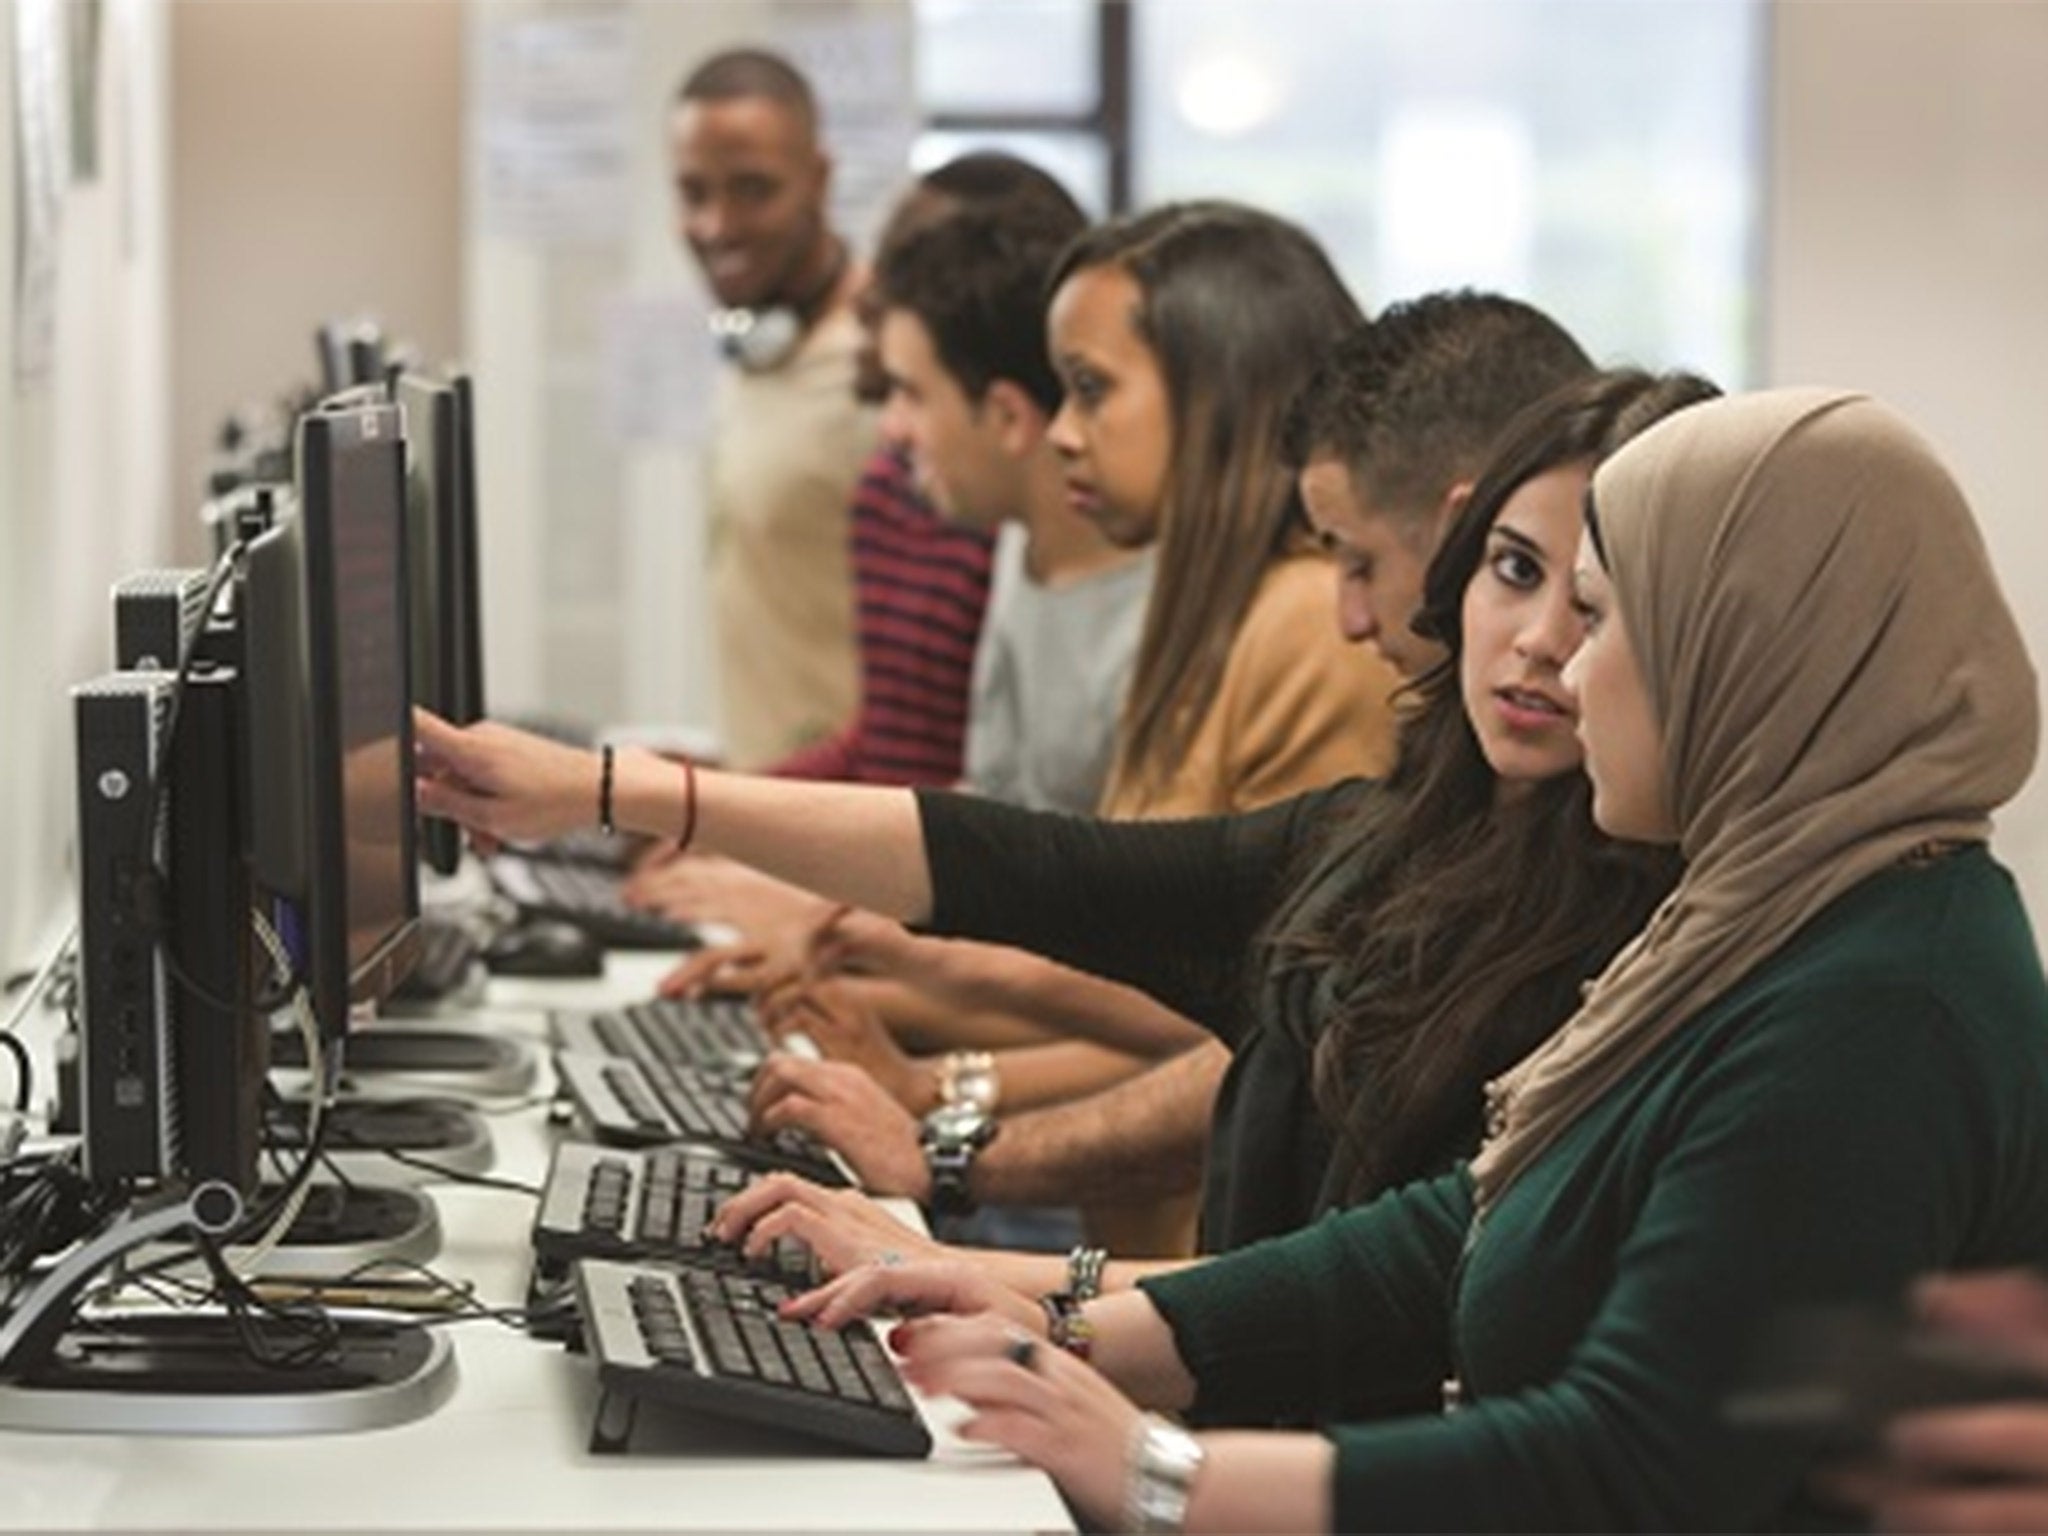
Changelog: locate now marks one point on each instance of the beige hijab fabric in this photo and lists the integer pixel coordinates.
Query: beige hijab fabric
(1837, 678)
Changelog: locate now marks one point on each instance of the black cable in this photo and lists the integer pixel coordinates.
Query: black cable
(313, 1154)
(217, 578)
(519, 1319)
(304, 1334)
(334, 1169)
(46, 1205)
(24, 1070)
(456, 1176)
(148, 894)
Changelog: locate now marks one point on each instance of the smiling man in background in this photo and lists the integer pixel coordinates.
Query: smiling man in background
(788, 436)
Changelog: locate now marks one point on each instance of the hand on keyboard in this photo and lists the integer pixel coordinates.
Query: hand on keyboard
(700, 887)
(841, 1023)
(847, 1110)
(957, 1286)
(842, 1227)
(1050, 1408)
(742, 969)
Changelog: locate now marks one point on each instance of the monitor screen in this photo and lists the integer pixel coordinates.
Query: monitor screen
(332, 757)
(446, 669)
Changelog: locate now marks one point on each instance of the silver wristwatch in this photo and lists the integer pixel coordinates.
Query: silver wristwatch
(1164, 1461)
(951, 1137)
(967, 1079)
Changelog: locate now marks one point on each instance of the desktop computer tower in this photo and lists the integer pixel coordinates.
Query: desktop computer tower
(129, 1110)
(172, 1075)
(220, 1051)
(156, 615)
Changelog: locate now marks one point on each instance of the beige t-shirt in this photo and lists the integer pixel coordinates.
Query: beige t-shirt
(786, 451)
(1299, 707)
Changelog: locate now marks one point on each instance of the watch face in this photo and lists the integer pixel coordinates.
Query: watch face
(958, 1123)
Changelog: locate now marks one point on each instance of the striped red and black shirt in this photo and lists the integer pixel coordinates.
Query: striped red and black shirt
(920, 583)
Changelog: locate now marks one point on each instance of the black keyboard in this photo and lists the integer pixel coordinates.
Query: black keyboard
(448, 958)
(606, 1201)
(589, 898)
(714, 1033)
(634, 1103)
(711, 1341)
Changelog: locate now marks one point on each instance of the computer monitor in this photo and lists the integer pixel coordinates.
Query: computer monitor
(330, 346)
(331, 748)
(469, 627)
(366, 355)
(350, 353)
(447, 660)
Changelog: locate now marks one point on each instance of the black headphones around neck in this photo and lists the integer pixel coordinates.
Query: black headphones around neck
(762, 340)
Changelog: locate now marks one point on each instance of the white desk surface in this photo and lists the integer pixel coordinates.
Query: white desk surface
(508, 1450)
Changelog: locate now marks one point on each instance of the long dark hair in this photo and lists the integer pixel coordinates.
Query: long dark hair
(1460, 931)
(1236, 306)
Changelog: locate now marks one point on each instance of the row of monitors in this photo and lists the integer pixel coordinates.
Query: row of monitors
(357, 596)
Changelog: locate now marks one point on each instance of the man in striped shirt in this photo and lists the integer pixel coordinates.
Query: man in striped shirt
(920, 584)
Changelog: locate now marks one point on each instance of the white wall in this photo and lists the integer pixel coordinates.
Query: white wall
(316, 174)
(1908, 255)
(83, 454)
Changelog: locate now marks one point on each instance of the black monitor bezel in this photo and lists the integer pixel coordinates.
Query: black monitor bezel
(345, 423)
(469, 681)
(448, 664)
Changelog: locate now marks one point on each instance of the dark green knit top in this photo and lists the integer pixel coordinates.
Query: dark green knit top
(1870, 1104)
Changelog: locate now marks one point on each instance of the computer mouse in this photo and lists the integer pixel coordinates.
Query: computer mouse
(544, 948)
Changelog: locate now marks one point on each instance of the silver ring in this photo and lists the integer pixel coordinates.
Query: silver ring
(1022, 1350)
(888, 1258)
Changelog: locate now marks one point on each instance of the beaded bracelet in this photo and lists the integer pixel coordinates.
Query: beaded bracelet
(604, 790)
(1066, 1325)
(1084, 1272)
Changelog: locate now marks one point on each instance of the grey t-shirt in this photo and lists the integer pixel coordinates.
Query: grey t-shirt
(1049, 680)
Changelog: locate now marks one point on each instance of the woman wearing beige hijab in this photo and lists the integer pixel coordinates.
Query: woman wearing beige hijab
(1821, 1070)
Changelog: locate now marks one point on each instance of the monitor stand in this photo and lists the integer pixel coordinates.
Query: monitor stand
(191, 1373)
(423, 1060)
(343, 1227)
(343, 1230)
(188, 1373)
(360, 1132)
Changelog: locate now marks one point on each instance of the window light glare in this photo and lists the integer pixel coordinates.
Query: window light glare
(1224, 95)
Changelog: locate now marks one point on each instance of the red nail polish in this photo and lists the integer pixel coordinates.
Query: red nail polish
(899, 1337)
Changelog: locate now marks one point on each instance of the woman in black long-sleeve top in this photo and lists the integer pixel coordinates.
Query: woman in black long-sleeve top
(1371, 954)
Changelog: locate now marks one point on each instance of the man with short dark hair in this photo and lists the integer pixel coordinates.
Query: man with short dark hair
(787, 435)
(972, 393)
(1393, 428)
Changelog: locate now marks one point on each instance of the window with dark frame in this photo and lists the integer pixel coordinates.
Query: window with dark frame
(1069, 110)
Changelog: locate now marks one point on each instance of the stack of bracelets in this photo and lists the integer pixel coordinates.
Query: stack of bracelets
(1066, 1325)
